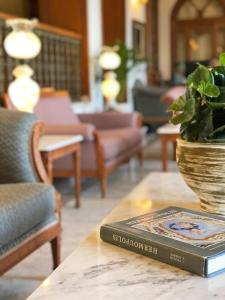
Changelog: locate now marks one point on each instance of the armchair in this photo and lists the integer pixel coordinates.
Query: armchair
(29, 205)
(110, 138)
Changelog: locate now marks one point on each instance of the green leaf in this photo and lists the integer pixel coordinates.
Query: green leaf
(217, 135)
(222, 59)
(215, 105)
(187, 114)
(177, 105)
(199, 129)
(201, 74)
(208, 89)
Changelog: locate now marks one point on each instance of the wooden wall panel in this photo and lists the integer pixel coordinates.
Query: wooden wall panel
(152, 40)
(113, 21)
(70, 15)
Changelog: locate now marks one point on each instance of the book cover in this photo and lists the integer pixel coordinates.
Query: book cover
(191, 240)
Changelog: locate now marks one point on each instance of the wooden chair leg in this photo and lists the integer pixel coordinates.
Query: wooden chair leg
(102, 181)
(56, 251)
(141, 157)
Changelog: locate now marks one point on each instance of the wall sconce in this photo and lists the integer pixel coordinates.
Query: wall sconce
(109, 60)
(23, 44)
(138, 3)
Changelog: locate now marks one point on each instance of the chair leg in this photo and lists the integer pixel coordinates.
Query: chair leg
(56, 251)
(141, 157)
(102, 181)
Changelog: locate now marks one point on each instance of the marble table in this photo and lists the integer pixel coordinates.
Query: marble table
(100, 271)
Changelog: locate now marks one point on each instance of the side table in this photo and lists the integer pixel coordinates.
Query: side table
(53, 147)
(167, 133)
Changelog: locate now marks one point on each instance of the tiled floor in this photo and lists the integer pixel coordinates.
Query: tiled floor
(18, 283)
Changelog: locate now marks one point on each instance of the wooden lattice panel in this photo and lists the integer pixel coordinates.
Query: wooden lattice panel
(58, 65)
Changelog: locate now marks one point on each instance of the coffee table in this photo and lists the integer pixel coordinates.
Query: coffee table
(53, 147)
(97, 270)
(168, 133)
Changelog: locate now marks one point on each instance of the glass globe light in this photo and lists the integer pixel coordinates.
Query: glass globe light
(24, 92)
(21, 42)
(110, 86)
(109, 60)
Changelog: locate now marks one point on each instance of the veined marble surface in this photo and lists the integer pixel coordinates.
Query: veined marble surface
(100, 271)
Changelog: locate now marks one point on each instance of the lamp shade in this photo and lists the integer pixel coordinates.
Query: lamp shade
(110, 86)
(22, 44)
(109, 60)
(24, 92)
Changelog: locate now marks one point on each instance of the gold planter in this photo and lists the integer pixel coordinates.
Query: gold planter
(202, 166)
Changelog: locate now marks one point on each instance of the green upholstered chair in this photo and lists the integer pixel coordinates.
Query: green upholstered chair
(29, 205)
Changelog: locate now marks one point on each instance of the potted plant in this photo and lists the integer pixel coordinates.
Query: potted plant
(201, 147)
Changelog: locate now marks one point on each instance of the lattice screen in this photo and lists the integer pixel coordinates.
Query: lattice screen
(58, 65)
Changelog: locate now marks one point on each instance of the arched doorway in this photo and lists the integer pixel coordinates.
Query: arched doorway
(197, 32)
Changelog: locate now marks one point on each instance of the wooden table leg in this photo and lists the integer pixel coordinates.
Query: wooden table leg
(164, 154)
(174, 150)
(48, 163)
(76, 158)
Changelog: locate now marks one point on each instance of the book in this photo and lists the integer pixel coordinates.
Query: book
(191, 240)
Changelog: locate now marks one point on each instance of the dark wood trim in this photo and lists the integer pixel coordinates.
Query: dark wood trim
(113, 21)
(152, 43)
(47, 27)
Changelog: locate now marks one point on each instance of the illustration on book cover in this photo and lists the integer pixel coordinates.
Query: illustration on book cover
(198, 230)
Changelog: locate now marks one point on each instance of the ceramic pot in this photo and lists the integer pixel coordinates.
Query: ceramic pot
(202, 166)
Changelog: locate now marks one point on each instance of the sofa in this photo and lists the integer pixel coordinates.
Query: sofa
(29, 205)
(110, 138)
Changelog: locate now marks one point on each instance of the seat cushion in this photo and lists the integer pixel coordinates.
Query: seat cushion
(117, 141)
(23, 207)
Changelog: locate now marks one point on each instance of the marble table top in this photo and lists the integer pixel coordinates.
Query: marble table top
(169, 129)
(100, 271)
(50, 142)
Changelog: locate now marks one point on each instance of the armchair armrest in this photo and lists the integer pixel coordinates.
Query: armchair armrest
(112, 120)
(86, 130)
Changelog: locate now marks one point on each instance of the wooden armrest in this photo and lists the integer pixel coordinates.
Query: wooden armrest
(37, 160)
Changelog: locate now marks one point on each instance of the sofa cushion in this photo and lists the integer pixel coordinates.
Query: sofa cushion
(117, 141)
(23, 206)
(56, 110)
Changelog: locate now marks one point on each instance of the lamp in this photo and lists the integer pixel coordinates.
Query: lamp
(110, 60)
(110, 89)
(21, 43)
(24, 92)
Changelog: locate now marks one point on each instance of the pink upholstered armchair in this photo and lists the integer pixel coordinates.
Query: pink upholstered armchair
(110, 138)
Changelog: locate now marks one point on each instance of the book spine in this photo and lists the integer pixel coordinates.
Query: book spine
(156, 250)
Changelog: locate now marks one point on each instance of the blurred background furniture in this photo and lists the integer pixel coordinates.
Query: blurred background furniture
(29, 206)
(168, 133)
(53, 147)
(152, 102)
(147, 102)
(172, 94)
(110, 138)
